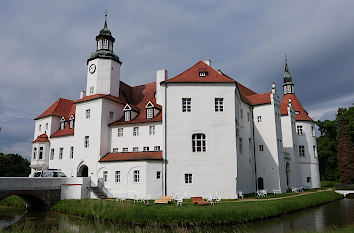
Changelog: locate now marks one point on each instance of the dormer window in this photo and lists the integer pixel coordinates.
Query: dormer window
(149, 113)
(71, 122)
(62, 123)
(203, 73)
(297, 112)
(127, 115)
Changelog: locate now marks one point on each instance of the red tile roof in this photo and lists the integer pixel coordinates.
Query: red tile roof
(302, 116)
(139, 96)
(65, 132)
(258, 99)
(41, 138)
(192, 75)
(132, 156)
(60, 108)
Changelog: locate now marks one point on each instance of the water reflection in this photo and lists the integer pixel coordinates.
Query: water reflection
(335, 214)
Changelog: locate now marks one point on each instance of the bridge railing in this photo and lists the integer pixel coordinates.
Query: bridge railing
(29, 183)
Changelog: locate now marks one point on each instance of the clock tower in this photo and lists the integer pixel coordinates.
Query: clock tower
(288, 85)
(103, 66)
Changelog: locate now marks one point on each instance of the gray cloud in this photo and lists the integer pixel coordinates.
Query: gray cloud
(45, 46)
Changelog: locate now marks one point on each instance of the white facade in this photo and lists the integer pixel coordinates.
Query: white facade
(198, 133)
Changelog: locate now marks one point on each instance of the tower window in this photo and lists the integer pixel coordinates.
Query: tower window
(127, 115)
(117, 176)
(219, 104)
(86, 143)
(52, 154)
(34, 152)
(40, 128)
(158, 175)
(314, 152)
(40, 153)
(71, 152)
(105, 176)
(111, 115)
(46, 126)
(92, 89)
(61, 150)
(105, 44)
(299, 130)
(198, 142)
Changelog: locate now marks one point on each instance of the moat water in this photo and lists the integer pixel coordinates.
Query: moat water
(336, 214)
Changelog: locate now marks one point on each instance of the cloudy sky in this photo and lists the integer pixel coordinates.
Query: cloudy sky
(45, 44)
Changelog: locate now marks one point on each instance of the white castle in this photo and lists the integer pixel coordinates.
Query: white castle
(198, 132)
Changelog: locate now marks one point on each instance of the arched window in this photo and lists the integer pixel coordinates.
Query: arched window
(40, 153)
(198, 142)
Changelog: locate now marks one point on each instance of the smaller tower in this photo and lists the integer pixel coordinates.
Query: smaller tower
(103, 73)
(288, 85)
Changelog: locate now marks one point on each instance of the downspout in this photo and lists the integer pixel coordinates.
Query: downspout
(165, 138)
(254, 151)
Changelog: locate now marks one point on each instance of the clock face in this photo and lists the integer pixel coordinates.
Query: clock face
(92, 68)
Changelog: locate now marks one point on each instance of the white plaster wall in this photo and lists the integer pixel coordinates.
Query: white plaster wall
(44, 162)
(161, 75)
(126, 184)
(308, 163)
(53, 126)
(216, 169)
(245, 160)
(75, 188)
(269, 165)
(105, 79)
(66, 164)
(154, 188)
(143, 139)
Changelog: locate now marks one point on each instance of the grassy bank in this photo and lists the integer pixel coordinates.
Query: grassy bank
(227, 212)
(13, 201)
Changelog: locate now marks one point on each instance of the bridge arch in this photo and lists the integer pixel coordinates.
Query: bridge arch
(35, 200)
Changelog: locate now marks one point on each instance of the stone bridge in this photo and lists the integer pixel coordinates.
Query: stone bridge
(38, 193)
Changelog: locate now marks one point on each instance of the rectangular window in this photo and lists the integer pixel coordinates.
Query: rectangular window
(61, 151)
(149, 113)
(136, 176)
(46, 126)
(219, 104)
(302, 151)
(40, 128)
(135, 131)
(120, 132)
(241, 113)
(158, 175)
(146, 148)
(151, 129)
(40, 153)
(91, 90)
(187, 178)
(52, 154)
(115, 150)
(186, 104)
(135, 149)
(71, 152)
(86, 143)
(127, 115)
(105, 176)
(261, 148)
(111, 115)
(34, 152)
(308, 179)
(259, 118)
(125, 149)
(299, 130)
(156, 148)
(198, 142)
(240, 145)
(117, 176)
(88, 113)
(314, 152)
(248, 116)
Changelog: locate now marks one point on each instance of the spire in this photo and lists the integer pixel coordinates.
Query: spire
(288, 79)
(105, 19)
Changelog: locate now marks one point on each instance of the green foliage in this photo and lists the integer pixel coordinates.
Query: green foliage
(227, 212)
(13, 201)
(327, 144)
(13, 165)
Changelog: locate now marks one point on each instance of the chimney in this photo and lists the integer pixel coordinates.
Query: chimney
(82, 94)
(208, 62)
(161, 75)
(273, 88)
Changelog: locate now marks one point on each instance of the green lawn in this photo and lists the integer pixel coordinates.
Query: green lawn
(227, 212)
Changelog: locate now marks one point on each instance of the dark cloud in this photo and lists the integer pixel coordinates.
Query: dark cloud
(45, 46)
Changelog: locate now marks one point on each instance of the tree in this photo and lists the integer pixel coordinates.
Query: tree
(327, 144)
(13, 165)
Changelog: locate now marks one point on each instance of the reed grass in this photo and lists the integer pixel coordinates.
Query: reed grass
(227, 212)
(13, 201)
